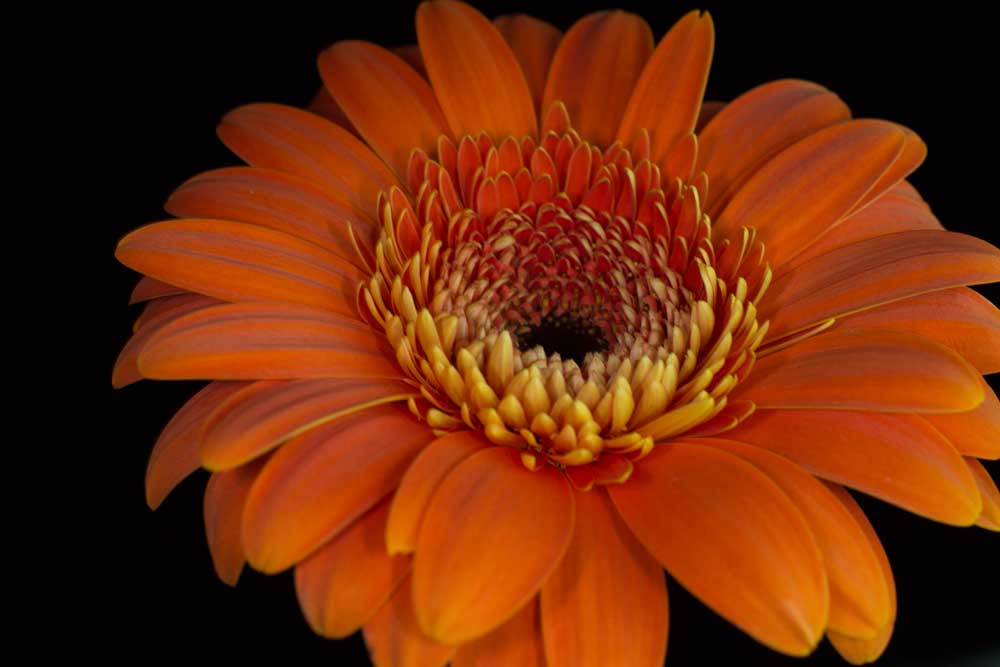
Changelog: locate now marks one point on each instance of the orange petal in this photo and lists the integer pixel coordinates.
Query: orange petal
(317, 484)
(420, 482)
(989, 518)
(225, 497)
(476, 77)
(912, 156)
(324, 105)
(391, 105)
(394, 639)
(485, 547)
(411, 54)
(958, 318)
(150, 288)
(667, 97)
(341, 586)
(898, 458)
(283, 202)
(264, 415)
(876, 271)
(729, 535)
(238, 262)
(758, 125)
(516, 642)
(709, 110)
(809, 186)
(606, 603)
(594, 70)
(259, 341)
(858, 369)
(176, 452)
(974, 433)
(298, 142)
(126, 370)
(859, 596)
(533, 42)
(894, 211)
(855, 650)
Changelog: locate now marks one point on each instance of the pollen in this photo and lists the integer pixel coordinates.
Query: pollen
(565, 300)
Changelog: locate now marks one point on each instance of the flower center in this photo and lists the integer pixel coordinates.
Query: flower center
(564, 300)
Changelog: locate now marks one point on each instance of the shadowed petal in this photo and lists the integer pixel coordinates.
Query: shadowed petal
(267, 413)
(898, 458)
(225, 498)
(484, 550)
(667, 97)
(317, 484)
(989, 518)
(516, 642)
(594, 70)
(729, 535)
(856, 650)
(420, 482)
(176, 453)
(391, 105)
(974, 433)
(606, 603)
(478, 81)
(342, 586)
(256, 341)
(533, 42)
(233, 261)
(856, 369)
(394, 639)
(287, 139)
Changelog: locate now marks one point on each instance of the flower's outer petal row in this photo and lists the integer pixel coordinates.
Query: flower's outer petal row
(411, 54)
(176, 453)
(516, 642)
(898, 458)
(606, 603)
(421, 480)
(859, 596)
(258, 341)
(595, 69)
(150, 288)
(280, 201)
(320, 482)
(343, 584)
(168, 309)
(393, 107)
(729, 535)
(225, 498)
(974, 433)
(324, 105)
(805, 189)
(533, 42)
(394, 639)
(287, 139)
(266, 414)
(894, 211)
(859, 369)
(233, 261)
(861, 650)
(483, 551)
(667, 97)
(758, 125)
(477, 79)
(875, 271)
(709, 110)
(989, 518)
(958, 318)
(912, 155)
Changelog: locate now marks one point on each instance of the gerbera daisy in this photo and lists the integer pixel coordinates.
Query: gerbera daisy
(486, 358)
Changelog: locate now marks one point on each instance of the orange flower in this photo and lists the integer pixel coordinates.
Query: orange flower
(526, 323)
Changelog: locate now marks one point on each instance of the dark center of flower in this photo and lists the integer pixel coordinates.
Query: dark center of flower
(569, 335)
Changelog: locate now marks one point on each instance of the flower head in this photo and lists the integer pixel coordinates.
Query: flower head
(505, 326)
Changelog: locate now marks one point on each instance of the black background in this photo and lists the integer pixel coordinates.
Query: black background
(165, 76)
